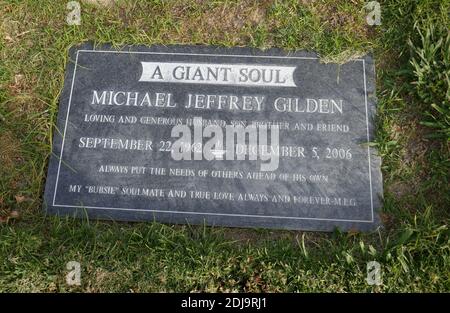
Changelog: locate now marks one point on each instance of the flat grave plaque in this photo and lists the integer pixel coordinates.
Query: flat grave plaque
(222, 136)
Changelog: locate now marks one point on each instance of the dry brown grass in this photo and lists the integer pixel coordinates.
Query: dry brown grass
(230, 22)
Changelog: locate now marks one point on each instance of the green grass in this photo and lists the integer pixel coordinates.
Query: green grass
(412, 138)
(431, 70)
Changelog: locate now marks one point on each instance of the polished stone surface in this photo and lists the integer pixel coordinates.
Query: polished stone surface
(112, 148)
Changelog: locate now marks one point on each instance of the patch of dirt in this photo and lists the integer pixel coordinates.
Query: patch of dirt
(257, 15)
(225, 20)
(9, 151)
(18, 85)
(9, 28)
(414, 173)
(307, 2)
(102, 279)
(23, 99)
(416, 144)
(10, 159)
(15, 31)
(334, 17)
(400, 189)
(412, 149)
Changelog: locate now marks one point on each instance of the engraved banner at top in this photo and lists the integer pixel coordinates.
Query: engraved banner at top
(219, 74)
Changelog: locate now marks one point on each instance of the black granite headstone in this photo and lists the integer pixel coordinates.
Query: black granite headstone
(124, 115)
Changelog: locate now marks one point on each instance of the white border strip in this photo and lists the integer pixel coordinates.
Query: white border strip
(368, 137)
(65, 127)
(205, 213)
